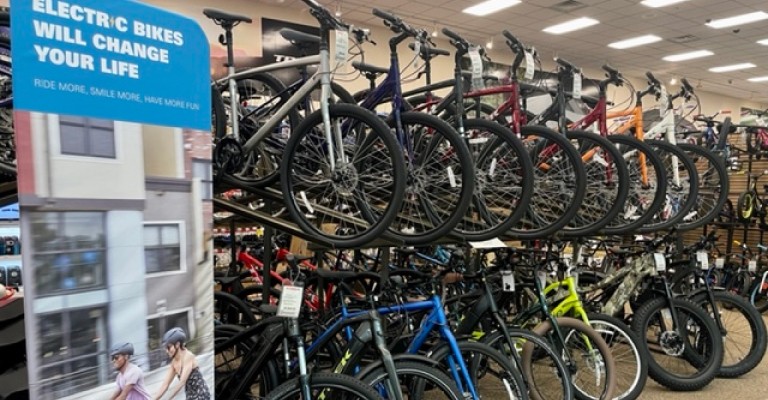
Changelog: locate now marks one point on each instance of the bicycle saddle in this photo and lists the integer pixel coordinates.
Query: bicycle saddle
(225, 18)
(299, 38)
(429, 52)
(368, 68)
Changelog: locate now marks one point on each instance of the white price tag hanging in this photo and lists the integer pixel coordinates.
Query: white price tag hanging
(660, 261)
(451, 177)
(342, 47)
(477, 67)
(576, 85)
(719, 263)
(492, 168)
(417, 52)
(703, 259)
(508, 281)
(663, 101)
(752, 266)
(290, 301)
(529, 66)
(494, 243)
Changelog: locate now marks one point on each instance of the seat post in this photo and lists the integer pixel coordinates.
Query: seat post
(234, 111)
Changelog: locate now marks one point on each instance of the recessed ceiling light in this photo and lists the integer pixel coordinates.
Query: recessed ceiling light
(660, 3)
(489, 7)
(634, 42)
(759, 79)
(738, 20)
(688, 56)
(572, 25)
(734, 67)
(764, 42)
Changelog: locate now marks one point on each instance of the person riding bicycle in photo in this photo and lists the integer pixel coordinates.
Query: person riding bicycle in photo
(130, 378)
(183, 366)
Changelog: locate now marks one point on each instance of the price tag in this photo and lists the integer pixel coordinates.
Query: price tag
(719, 263)
(660, 261)
(492, 168)
(663, 101)
(529, 66)
(703, 258)
(290, 301)
(576, 85)
(417, 51)
(494, 243)
(451, 177)
(477, 67)
(752, 266)
(342, 47)
(508, 281)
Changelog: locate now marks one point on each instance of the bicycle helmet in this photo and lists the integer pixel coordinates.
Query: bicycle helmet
(173, 336)
(121, 348)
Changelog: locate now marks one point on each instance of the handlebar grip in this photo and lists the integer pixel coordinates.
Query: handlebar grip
(451, 34)
(566, 64)
(652, 79)
(607, 68)
(385, 15)
(686, 85)
(507, 34)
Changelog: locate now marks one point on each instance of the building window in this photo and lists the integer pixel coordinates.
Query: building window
(88, 137)
(156, 328)
(69, 251)
(202, 169)
(72, 351)
(162, 248)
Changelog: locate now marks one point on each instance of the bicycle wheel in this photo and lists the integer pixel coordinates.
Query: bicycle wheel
(349, 199)
(647, 185)
(500, 379)
(559, 183)
(593, 370)
(230, 354)
(503, 181)
(683, 361)
(545, 373)
(631, 362)
(440, 180)
(744, 335)
(682, 187)
(228, 309)
(607, 183)
(418, 380)
(323, 384)
(714, 186)
(745, 206)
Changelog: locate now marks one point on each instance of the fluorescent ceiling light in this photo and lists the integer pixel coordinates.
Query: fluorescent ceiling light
(764, 42)
(660, 3)
(734, 67)
(572, 25)
(489, 7)
(738, 20)
(759, 79)
(634, 42)
(688, 56)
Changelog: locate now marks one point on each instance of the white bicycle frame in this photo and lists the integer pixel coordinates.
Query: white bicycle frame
(666, 129)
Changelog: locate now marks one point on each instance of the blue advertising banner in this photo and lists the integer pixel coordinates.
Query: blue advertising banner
(120, 60)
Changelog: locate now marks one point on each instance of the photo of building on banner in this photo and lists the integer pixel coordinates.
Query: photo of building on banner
(113, 136)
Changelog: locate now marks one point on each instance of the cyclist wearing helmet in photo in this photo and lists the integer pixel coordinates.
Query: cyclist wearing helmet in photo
(130, 378)
(184, 366)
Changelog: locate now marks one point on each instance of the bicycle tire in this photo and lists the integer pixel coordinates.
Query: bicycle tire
(683, 197)
(623, 338)
(232, 310)
(440, 180)
(565, 192)
(354, 388)
(423, 377)
(269, 377)
(383, 188)
(714, 186)
(607, 184)
(745, 206)
(512, 379)
(759, 342)
(570, 325)
(707, 365)
(544, 362)
(646, 196)
(503, 181)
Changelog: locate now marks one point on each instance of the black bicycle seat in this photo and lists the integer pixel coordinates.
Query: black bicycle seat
(429, 52)
(299, 38)
(368, 68)
(225, 18)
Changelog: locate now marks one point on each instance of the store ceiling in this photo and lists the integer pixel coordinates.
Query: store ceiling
(619, 19)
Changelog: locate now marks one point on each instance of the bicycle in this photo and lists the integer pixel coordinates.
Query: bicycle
(750, 204)
(328, 155)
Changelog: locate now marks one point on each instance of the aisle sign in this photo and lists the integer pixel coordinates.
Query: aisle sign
(120, 60)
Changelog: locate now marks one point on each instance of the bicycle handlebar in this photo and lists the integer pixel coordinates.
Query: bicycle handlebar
(514, 41)
(386, 16)
(453, 36)
(609, 69)
(566, 64)
(652, 79)
(687, 86)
